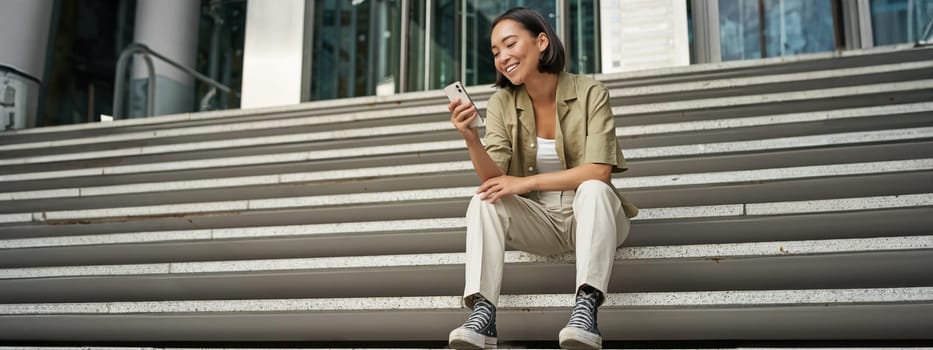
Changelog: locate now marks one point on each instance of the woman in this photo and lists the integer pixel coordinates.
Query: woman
(550, 148)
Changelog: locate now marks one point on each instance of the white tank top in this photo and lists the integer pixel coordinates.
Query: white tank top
(548, 162)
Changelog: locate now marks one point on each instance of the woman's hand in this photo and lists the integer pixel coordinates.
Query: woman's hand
(504, 185)
(462, 115)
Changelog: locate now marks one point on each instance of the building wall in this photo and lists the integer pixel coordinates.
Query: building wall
(273, 52)
(643, 34)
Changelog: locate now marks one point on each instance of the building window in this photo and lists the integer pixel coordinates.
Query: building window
(356, 48)
(767, 28)
(900, 21)
(582, 42)
(444, 44)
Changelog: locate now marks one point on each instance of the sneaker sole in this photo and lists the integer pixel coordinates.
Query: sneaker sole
(461, 338)
(578, 339)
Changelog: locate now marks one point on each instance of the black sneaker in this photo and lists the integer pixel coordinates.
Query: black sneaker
(581, 331)
(479, 330)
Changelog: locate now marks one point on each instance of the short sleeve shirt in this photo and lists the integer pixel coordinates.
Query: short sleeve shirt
(585, 129)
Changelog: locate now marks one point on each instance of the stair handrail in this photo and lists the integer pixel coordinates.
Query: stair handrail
(146, 52)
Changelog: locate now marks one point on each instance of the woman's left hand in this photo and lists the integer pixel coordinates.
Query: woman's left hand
(504, 185)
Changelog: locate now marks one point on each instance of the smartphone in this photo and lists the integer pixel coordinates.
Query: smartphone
(454, 91)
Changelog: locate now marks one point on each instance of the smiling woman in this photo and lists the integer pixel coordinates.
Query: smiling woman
(545, 164)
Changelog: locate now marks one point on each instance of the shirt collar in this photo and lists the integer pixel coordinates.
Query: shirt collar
(566, 91)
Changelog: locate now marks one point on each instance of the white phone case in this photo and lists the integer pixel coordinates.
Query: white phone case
(454, 91)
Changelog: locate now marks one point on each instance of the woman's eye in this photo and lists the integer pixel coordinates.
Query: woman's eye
(510, 45)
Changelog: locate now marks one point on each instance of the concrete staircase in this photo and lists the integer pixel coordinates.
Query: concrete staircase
(786, 199)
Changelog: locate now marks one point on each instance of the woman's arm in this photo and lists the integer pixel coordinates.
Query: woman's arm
(461, 116)
(569, 179)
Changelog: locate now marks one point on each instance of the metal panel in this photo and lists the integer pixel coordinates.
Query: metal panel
(24, 29)
(706, 31)
(273, 53)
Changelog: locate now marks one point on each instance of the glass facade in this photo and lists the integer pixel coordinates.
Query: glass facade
(901, 21)
(357, 44)
(582, 41)
(443, 50)
(359, 47)
(767, 28)
(356, 47)
(220, 52)
(87, 38)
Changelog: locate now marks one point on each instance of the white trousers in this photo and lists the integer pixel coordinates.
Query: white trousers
(589, 220)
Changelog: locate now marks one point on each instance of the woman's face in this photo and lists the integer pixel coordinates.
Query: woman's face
(516, 51)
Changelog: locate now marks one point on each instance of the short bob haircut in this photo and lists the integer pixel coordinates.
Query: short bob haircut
(551, 59)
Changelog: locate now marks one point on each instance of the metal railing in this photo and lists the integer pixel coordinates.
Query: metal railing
(137, 48)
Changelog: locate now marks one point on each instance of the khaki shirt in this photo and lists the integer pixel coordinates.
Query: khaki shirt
(585, 133)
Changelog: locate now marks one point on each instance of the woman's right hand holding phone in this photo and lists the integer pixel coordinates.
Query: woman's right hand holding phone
(462, 115)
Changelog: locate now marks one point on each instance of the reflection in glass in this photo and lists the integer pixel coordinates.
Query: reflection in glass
(582, 48)
(798, 26)
(739, 29)
(768, 28)
(415, 52)
(444, 45)
(900, 21)
(356, 48)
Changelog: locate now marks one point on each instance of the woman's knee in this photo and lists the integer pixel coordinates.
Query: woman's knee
(595, 191)
(476, 199)
(476, 205)
(479, 205)
(594, 186)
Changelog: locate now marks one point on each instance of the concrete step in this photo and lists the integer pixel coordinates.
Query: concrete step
(54, 215)
(649, 167)
(414, 150)
(63, 151)
(753, 222)
(815, 264)
(728, 130)
(208, 119)
(681, 133)
(433, 175)
(811, 314)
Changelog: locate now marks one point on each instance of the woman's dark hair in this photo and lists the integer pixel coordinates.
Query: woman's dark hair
(552, 58)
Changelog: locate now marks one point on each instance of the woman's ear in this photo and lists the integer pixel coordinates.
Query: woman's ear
(542, 42)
